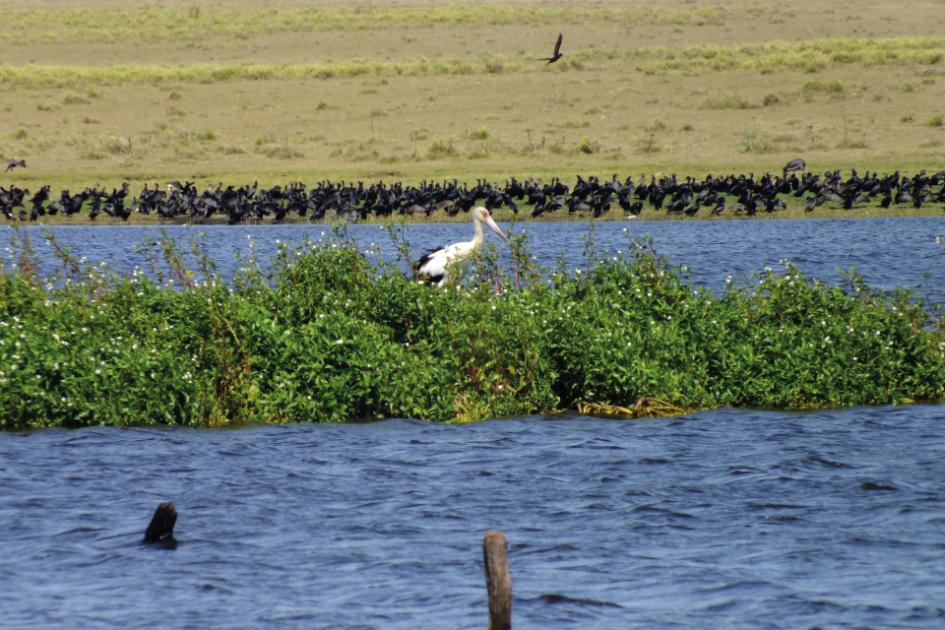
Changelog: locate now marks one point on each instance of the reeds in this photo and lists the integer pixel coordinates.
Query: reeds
(156, 24)
(810, 55)
(817, 54)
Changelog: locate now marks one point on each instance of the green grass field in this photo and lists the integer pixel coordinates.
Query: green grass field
(100, 91)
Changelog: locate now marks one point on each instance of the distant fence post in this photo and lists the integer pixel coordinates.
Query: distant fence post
(498, 580)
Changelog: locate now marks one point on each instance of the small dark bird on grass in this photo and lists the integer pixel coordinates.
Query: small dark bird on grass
(12, 164)
(557, 54)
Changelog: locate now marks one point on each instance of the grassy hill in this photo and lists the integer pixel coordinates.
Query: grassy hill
(97, 91)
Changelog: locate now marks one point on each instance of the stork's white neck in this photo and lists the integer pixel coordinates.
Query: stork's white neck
(477, 237)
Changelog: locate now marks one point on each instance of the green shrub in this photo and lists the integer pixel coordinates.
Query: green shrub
(831, 86)
(727, 101)
(587, 147)
(75, 99)
(326, 335)
(281, 152)
(440, 149)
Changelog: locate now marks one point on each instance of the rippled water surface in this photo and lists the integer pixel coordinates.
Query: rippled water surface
(720, 519)
(716, 520)
(888, 252)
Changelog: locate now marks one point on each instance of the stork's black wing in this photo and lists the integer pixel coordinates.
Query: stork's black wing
(426, 276)
(427, 256)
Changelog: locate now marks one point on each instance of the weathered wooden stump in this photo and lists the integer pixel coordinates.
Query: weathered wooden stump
(161, 528)
(498, 580)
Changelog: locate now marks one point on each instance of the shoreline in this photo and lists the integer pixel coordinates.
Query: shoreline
(659, 196)
(503, 215)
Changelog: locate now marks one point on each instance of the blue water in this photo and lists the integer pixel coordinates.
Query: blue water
(888, 252)
(722, 519)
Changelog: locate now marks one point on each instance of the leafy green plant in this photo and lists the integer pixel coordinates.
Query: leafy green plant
(324, 334)
(440, 149)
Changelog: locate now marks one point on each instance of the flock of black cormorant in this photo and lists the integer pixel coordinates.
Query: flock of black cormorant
(735, 194)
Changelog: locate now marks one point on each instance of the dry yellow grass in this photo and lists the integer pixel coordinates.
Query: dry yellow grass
(410, 90)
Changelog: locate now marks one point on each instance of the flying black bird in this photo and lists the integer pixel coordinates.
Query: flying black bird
(557, 54)
(12, 164)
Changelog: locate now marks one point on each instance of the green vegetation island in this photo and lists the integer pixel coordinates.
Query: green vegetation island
(326, 335)
(96, 93)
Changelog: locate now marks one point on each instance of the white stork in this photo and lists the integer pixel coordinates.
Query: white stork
(445, 264)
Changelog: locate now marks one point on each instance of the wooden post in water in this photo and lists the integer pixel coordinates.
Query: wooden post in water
(498, 580)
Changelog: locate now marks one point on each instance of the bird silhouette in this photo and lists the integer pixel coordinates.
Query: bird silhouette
(557, 53)
(13, 163)
(797, 164)
(357, 201)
